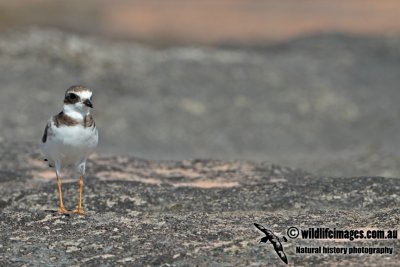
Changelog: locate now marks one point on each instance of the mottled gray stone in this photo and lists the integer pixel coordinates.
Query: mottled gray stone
(183, 213)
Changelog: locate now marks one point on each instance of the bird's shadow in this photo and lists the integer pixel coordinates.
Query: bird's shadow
(55, 213)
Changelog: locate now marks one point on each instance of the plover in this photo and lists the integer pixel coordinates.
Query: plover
(70, 137)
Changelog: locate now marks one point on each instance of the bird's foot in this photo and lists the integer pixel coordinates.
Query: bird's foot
(62, 210)
(79, 211)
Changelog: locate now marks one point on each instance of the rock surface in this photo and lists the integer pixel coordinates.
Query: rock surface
(326, 103)
(184, 213)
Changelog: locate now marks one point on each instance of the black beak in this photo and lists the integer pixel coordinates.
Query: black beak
(88, 103)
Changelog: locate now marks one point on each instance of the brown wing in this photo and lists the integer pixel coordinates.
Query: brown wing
(44, 137)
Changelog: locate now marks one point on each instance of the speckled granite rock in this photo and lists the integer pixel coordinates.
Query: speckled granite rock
(186, 213)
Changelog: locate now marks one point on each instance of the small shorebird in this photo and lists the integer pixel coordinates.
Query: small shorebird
(70, 137)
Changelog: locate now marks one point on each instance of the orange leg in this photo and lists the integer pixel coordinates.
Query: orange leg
(79, 210)
(61, 209)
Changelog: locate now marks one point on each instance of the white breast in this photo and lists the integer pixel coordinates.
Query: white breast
(70, 144)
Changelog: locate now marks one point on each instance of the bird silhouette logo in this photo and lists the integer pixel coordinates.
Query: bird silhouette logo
(275, 241)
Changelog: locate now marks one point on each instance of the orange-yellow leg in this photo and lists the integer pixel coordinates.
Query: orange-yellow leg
(61, 209)
(79, 209)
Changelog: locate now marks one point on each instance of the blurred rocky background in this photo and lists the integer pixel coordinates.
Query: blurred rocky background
(308, 84)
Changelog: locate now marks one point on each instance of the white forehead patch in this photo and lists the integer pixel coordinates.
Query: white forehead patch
(84, 94)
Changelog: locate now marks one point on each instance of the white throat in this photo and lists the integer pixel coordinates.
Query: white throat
(75, 112)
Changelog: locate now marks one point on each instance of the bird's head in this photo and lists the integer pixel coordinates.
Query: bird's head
(78, 99)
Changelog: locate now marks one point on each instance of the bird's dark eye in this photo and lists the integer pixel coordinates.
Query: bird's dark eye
(73, 96)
